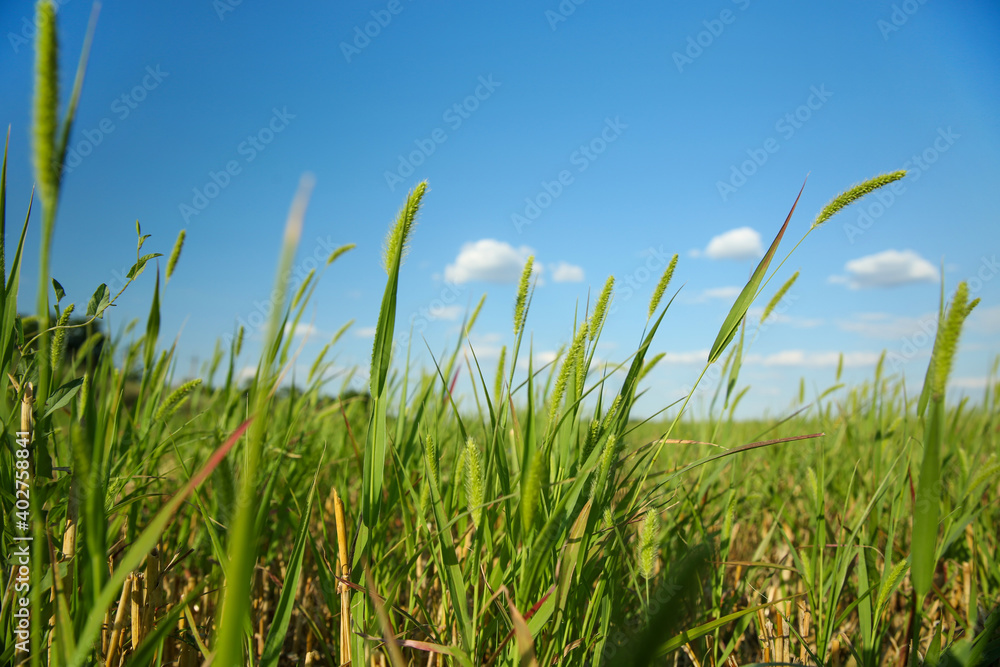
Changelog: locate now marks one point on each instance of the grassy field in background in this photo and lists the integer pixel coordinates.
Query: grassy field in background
(535, 521)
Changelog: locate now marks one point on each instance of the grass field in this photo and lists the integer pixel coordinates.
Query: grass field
(534, 521)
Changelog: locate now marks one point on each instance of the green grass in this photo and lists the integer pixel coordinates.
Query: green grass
(534, 521)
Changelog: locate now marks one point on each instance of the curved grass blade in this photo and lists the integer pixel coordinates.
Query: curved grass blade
(749, 293)
(142, 546)
(377, 439)
(675, 643)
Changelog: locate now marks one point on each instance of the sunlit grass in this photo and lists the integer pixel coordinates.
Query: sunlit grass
(534, 520)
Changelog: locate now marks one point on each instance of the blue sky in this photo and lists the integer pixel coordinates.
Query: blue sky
(600, 137)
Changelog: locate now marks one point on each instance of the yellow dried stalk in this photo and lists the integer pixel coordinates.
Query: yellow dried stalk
(345, 571)
(105, 629)
(27, 411)
(764, 631)
(691, 655)
(120, 621)
(782, 643)
(804, 619)
(137, 610)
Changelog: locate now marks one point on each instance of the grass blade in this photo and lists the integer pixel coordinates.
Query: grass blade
(141, 547)
(749, 293)
(286, 602)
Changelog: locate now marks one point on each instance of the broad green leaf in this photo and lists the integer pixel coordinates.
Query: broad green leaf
(99, 302)
(140, 265)
(62, 396)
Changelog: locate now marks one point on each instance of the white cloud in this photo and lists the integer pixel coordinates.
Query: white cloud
(885, 326)
(301, 329)
(801, 322)
(487, 260)
(566, 273)
(365, 332)
(539, 360)
(886, 269)
(484, 351)
(486, 345)
(442, 312)
(728, 292)
(969, 382)
(739, 243)
(690, 357)
(488, 337)
(546, 357)
(985, 320)
(246, 374)
(803, 358)
(782, 318)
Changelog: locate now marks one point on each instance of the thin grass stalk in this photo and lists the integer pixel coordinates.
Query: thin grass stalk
(345, 573)
(243, 544)
(46, 109)
(376, 443)
(124, 603)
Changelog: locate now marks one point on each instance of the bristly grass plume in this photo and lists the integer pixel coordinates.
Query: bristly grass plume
(778, 296)
(522, 294)
(601, 309)
(661, 286)
(855, 193)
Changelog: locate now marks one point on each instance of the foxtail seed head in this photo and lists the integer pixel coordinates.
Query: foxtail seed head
(173, 401)
(338, 252)
(948, 338)
(498, 381)
(608, 458)
(475, 314)
(651, 364)
(46, 102)
(522, 295)
(570, 361)
(661, 286)
(778, 296)
(59, 338)
(474, 482)
(648, 546)
(175, 254)
(855, 193)
(601, 309)
(396, 241)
